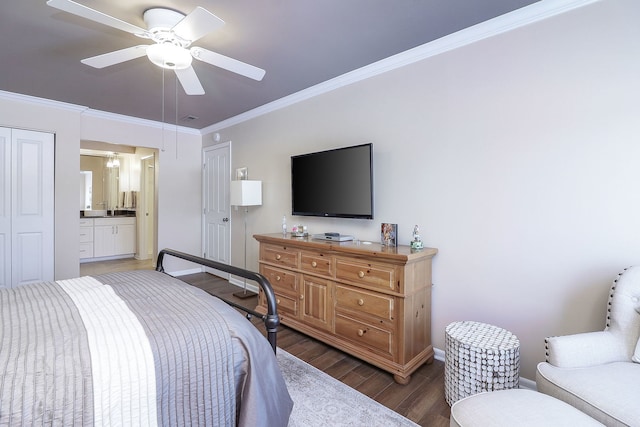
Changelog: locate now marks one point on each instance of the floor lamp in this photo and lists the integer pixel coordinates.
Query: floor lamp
(246, 193)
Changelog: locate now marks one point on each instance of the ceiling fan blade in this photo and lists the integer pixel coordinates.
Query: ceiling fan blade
(88, 13)
(227, 63)
(116, 57)
(189, 81)
(196, 24)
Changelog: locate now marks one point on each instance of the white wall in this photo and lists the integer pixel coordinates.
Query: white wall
(178, 184)
(517, 156)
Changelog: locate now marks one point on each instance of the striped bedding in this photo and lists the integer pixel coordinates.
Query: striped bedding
(137, 348)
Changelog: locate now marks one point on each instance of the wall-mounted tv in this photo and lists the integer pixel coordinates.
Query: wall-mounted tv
(333, 183)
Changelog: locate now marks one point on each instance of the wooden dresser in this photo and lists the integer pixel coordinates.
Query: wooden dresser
(371, 301)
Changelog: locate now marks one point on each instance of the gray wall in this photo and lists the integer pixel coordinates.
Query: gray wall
(517, 155)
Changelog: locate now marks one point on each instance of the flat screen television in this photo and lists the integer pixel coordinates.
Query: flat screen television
(333, 183)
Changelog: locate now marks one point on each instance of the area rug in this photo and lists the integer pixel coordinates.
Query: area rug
(321, 400)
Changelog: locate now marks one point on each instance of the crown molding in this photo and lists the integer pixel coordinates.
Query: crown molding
(89, 112)
(105, 115)
(27, 99)
(518, 18)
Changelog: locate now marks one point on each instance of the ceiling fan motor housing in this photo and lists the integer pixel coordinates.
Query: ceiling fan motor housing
(159, 18)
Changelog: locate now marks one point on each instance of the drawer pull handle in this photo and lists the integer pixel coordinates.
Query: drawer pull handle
(278, 256)
(361, 274)
(314, 264)
(360, 332)
(301, 297)
(278, 278)
(360, 301)
(278, 301)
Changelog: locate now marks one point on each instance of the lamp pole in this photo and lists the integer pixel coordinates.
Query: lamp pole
(244, 294)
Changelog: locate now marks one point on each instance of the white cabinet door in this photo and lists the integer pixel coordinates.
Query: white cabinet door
(125, 242)
(103, 240)
(27, 240)
(114, 236)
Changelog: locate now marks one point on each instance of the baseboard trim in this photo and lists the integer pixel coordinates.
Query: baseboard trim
(240, 283)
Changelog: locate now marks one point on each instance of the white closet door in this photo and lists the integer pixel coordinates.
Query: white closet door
(32, 245)
(5, 207)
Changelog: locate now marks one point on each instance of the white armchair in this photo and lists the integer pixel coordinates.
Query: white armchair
(599, 372)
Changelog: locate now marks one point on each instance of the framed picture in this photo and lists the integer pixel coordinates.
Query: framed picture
(242, 173)
(389, 234)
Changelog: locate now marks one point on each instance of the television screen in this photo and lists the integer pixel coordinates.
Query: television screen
(333, 183)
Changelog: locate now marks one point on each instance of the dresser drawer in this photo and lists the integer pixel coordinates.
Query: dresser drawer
(281, 280)
(316, 263)
(381, 306)
(84, 222)
(86, 250)
(378, 276)
(86, 234)
(279, 255)
(287, 305)
(364, 334)
(114, 221)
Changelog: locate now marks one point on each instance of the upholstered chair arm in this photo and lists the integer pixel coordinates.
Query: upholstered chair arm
(587, 349)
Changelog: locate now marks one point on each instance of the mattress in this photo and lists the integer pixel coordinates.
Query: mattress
(133, 348)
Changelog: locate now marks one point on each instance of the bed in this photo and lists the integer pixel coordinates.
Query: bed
(136, 348)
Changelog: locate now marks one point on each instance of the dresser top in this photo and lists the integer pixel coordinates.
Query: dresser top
(352, 247)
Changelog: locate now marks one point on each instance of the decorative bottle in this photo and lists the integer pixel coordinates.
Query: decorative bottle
(284, 225)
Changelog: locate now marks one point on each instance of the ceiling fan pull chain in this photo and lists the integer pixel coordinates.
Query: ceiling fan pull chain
(176, 80)
(163, 148)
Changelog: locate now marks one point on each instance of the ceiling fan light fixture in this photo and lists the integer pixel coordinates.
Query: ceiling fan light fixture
(169, 56)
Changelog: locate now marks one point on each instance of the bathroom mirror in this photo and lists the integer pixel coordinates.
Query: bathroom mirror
(86, 190)
(101, 192)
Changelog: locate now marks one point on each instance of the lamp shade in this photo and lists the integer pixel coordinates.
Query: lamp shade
(246, 193)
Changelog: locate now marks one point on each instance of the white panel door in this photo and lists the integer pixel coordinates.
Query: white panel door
(125, 242)
(32, 172)
(216, 176)
(5, 207)
(104, 240)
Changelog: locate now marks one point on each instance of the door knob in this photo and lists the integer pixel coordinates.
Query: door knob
(225, 219)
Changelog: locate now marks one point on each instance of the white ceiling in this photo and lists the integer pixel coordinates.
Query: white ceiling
(299, 43)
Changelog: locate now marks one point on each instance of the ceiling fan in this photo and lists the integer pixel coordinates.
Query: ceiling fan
(173, 33)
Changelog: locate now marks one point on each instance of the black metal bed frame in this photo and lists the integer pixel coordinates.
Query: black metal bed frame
(271, 319)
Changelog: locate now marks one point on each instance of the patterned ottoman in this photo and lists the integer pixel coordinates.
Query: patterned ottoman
(478, 358)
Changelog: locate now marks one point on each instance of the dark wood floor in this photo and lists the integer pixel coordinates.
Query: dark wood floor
(422, 400)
